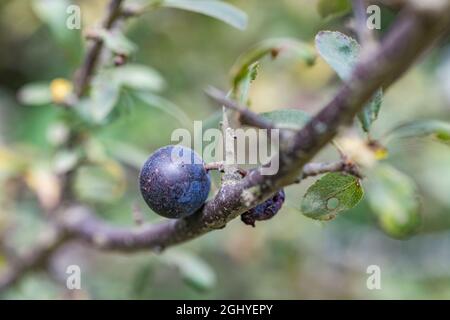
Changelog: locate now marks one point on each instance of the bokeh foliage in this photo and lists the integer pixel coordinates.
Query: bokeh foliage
(175, 55)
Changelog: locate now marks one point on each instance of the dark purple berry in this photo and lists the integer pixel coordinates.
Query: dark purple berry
(265, 210)
(174, 182)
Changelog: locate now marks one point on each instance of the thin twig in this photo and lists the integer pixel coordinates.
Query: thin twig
(230, 168)
(138, 216)
(218, 165)
(316, 168)
(85, 72)
(246, 116)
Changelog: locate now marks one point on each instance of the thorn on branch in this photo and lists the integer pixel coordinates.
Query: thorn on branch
(138, 215)
(219, 166)
(120, 59)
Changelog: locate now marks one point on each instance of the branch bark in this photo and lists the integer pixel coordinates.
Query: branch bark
(36, 257)
(365, 35)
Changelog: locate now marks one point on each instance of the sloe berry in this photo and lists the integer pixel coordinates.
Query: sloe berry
(174, 182)
(265, 210)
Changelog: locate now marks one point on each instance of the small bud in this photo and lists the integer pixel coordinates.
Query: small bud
(120, 59)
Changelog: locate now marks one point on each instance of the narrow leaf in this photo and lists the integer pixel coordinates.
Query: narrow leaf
(107, 85)
(116, 41)
(422, 128)
(64, 161)
(165, 106)
(287, 118)
(330, 195)
(137, 76)
(127, 153)
(52, 13)
(37, 93)
(104, 97)
(341, 52)
(241, 90)
(371, 110)
(213, 8)
(392, 196)
(273, 48)
(103, 183)
(195, 272)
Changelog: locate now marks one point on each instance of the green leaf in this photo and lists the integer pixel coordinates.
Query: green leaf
(165, 106)
(422, 128)
(330, 195)
(127, 153)
(213, 8)
(37, 93)
(64, 161)
(104, 97)
(341, 52)
(195, 272)
(116, 41)
(103, 183)
(287, 118)
(333, 7)
(371, 110)
(106, 90)
(138, 77)
(55, 14)
(273, 47)
(392, 196)
(241, 90)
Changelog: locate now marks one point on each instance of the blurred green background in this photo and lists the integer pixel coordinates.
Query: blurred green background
(290, 257)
